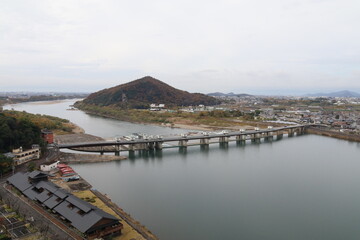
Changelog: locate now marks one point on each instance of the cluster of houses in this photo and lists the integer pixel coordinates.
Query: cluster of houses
(349, 120)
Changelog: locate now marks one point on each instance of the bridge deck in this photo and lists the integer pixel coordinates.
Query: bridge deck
(125, 145)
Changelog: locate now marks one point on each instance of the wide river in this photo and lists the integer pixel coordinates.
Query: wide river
(304, 187)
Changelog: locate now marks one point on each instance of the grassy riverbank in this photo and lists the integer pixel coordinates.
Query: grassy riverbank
(57, 125)
(206, 120)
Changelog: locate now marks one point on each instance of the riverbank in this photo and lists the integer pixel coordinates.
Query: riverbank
(189, 121)
(76, 129)
(333, 134)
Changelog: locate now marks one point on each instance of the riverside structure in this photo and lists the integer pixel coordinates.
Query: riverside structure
(159, 142)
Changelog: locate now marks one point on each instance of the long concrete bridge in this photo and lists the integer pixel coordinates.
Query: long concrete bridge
(159, 142)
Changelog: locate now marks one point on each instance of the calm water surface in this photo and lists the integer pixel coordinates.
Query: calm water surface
(304, 187)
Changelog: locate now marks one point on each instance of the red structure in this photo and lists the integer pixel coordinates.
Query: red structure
(47, 135)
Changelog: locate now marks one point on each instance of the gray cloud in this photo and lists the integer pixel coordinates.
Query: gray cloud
(198, 46)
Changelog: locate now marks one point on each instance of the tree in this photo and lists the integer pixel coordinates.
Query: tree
(17, 132)
(31, 166)
(5, 164)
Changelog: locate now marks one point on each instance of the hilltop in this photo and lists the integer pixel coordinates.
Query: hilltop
(145, 91)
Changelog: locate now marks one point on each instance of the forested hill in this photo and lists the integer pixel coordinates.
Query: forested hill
(23, 129)
(145, 91)
(17, 132)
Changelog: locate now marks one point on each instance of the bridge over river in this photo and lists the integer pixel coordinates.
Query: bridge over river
(203, 139)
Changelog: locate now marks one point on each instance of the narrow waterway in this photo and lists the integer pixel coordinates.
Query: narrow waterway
(303, 187)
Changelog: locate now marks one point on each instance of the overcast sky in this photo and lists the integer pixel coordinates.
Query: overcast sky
(243, 46)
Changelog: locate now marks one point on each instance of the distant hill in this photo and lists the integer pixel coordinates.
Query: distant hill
(344, 93)
(145, 91)
(231, 94)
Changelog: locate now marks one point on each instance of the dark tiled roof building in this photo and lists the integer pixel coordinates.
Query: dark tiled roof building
(88, 219)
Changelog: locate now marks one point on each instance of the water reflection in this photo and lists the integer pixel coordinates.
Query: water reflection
(240, 143)
(183, 150)
(223, 145)
(204, 149)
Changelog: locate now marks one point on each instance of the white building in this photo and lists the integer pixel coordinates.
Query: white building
(50, 167)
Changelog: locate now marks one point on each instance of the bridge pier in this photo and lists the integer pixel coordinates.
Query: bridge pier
(150, 146)
(101, 150)
(183, 143)
(117, 150)
(131, 147)
(144, 146)
(300, 130)
(240, 140)
(256, 137)
(252, 137)
(136, 146)
(268, 136)
(204, 141)
(158, 145)
(290, 132)
(223, 139)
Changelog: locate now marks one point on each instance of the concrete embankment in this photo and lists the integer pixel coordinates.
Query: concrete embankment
(329, 133)
(88, 158)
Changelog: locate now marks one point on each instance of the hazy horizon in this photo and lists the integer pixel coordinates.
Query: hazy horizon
(256, 47)
(259, 94)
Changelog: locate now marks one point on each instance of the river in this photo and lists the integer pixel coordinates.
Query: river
(304, 187)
